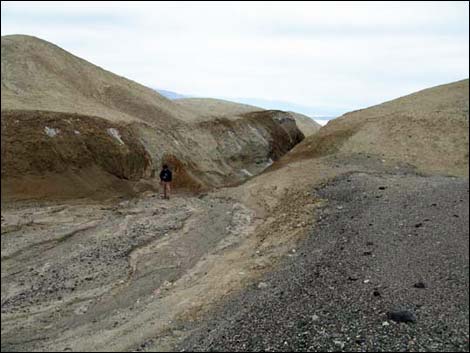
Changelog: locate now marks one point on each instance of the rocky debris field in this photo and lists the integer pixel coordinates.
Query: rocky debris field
(385, 268)
(365, 261)
(102, 276)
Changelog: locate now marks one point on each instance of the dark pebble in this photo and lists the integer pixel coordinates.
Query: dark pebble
(401, 316)
(419, 285)
(360, 340)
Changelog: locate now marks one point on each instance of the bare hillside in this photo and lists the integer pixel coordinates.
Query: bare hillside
(427, 129)
(41, 80)
(206, 108)
(38, 75)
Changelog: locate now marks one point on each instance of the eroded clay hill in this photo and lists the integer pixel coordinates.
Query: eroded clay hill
(208, 108)
(103, 133)
(427, 130)
(425, 133)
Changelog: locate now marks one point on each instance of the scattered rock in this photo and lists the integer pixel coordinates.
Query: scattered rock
(420, 284)
(360, 341)
(81, 310)
(401, 316)
(263, 285)
(340, 344)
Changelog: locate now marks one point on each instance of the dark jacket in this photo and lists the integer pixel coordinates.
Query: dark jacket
(165, 175)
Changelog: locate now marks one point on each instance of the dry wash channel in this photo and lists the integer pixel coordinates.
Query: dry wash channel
(103, 277)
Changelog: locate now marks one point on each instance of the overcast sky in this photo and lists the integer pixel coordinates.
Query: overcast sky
(329, 57)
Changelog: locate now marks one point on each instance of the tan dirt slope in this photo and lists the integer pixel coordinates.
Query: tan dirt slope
(206, 108)
(38, 75)
(427, 129)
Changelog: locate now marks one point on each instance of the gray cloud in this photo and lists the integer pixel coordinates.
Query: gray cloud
(334, 56)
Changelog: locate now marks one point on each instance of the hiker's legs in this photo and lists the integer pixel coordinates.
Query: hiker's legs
(167, 190)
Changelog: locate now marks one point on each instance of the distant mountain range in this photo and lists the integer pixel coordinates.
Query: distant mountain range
(321, 115)
(170, 94)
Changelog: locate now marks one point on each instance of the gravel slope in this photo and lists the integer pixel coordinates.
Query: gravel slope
(377, 242)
